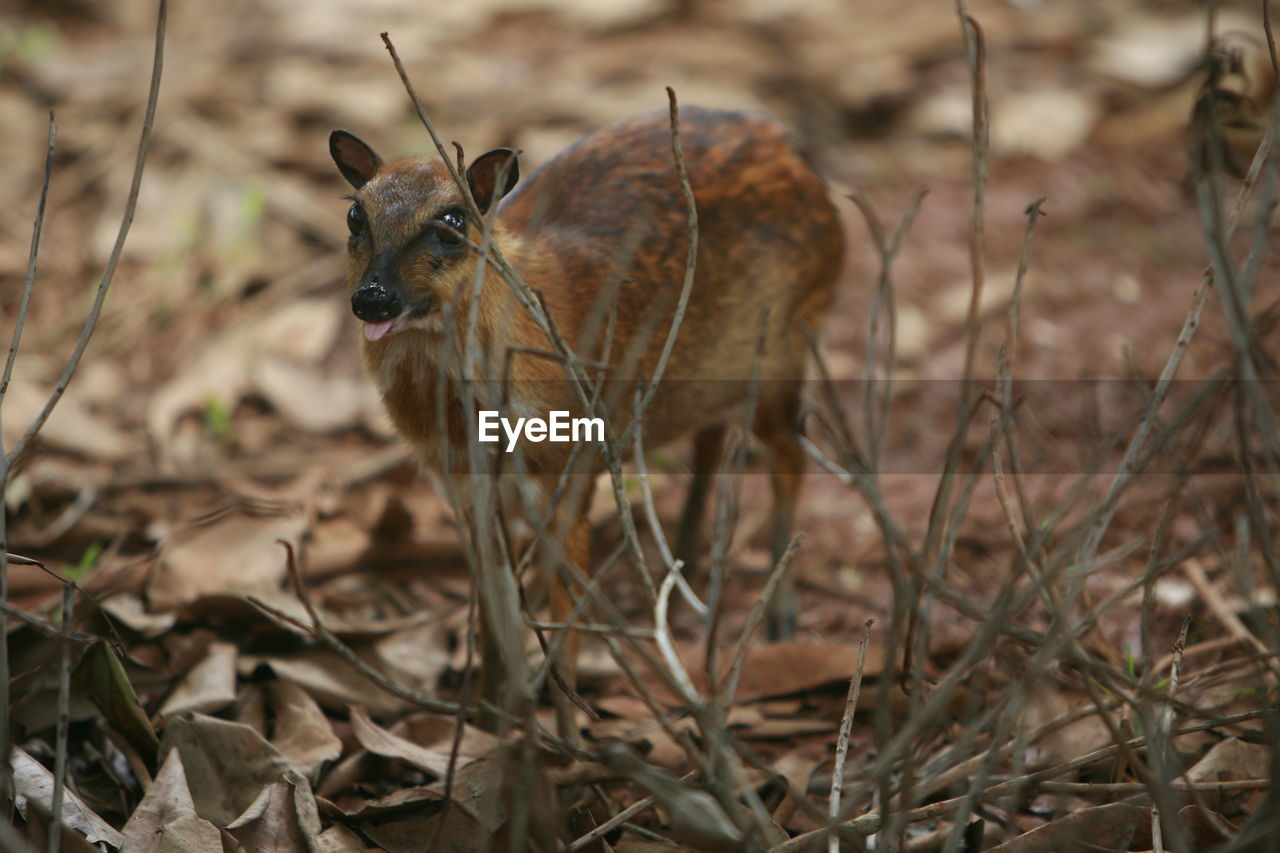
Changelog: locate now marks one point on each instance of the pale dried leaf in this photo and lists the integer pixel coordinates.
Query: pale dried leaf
(311, 401)
(283, 819)
(228, 765)
(70, 427)
(776, 669)
(331, 680)
(1154, 51)
(210, 685)
(382, 742)
(437, 732)
(1105, 827)
(301, 732)
(339, 839)
(1231, 759)
(232, 554)
(130, 610)
(1047, 123)
(220, 372)
(166, 821)
(476, 813)
(35, 783)
(696, 818)
(303, 331)
(417, 656)
(647, 735)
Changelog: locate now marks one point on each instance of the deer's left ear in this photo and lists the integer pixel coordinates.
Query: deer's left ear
(355, 160)
(492, 175)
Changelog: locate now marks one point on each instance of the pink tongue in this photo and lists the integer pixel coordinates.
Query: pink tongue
(374, 331)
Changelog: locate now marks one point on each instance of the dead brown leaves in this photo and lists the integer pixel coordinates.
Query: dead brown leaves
(222, 412)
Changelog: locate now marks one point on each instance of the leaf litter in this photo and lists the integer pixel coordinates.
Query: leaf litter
(221, 410)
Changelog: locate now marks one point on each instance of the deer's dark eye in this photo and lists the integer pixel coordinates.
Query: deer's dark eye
(456, 222)
(355, 219)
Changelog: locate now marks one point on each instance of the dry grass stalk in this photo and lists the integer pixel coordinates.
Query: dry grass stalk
(68, 372)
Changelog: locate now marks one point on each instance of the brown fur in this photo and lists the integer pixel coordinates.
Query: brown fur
(607, 218)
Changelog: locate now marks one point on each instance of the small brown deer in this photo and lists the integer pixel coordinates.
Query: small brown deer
(602, 232)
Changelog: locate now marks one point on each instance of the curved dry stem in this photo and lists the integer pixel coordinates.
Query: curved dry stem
(91, 322)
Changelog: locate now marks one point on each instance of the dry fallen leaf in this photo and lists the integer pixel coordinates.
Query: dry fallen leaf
(166, 821)
(32, 781)
(102, 678)
(309, 399)
(303, 331)
(339, 839)
(208, 686)
(696, 818)
(283, 819)
(416, 656)
(228, 768)
(1232, 759)
(1157, 51)
(434, 758)
(1048, 123)
(132, 611)
(1106, 827)
(71, 426)
(234, 553)
(219, 373)
(333, 682)
(400, 821)
(776, 669)
(301, 731)
(273, 354)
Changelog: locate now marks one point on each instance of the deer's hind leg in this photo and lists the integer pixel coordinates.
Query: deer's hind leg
(776, 426)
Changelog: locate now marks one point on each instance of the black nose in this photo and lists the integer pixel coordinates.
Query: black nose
(373, 303)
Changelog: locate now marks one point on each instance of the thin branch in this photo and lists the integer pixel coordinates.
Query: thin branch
(757, 615)
(64, 722)
(91, 322)
(842, 740)
(691, 258)
(870, 823)
(28, 283)
(614, 822)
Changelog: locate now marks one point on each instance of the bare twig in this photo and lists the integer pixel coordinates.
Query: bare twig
(614, 822)
(691, 258)
(91, 321)
(1221, 611)
(33, 253)
(27, 286)
(975, 46)
(655, 524)
(871, 823)
(662, 631)
(64, 722)
(756, 616)
(73, 363)
(1086, 789)
(883, 300)
(842, 740)
(318, 630)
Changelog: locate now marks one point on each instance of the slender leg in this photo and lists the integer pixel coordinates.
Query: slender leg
(492, 668)
(572, 520)
(708, 445)
(777, 429)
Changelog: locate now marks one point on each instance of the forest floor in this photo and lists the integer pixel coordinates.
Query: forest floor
(221, 407)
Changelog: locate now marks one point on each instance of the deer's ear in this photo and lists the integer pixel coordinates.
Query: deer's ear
(355, 160)
(492, 175)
